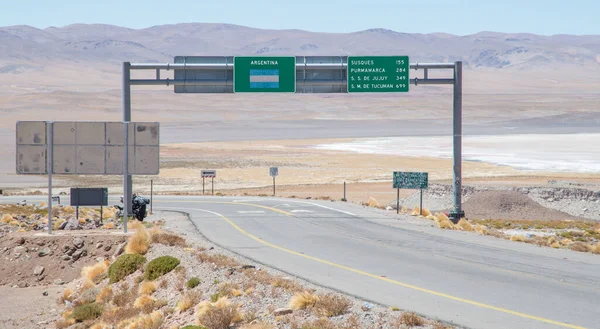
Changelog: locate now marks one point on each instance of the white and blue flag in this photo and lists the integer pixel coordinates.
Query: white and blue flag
(264, 79)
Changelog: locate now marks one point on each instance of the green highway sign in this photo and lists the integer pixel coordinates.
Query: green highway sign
(410, 180)
(368, 74)
(264, 74)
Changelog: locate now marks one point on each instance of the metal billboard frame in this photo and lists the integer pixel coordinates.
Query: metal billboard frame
(306, 64)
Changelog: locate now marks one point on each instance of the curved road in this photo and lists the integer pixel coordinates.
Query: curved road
(459, 277)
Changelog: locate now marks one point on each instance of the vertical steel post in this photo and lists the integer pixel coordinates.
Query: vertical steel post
(273, 185)
(202, 185)
(457, 213)
(126, 191)
(151, 193)
(127, 118)
(397, 200)
(345, 192)
(49, 168)
(213, 186)
(421, 203)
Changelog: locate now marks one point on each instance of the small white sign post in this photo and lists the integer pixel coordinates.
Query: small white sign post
(273, 171)
(211, 174)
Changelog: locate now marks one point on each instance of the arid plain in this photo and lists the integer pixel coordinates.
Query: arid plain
(240, 135)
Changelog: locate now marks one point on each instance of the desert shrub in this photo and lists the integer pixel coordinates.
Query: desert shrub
(193, 327)
(192, 283)
(332, 305)
(188, 300)
(302, 300)
(147, 288)
(581, 247)
(411, 319)
(219, 317)
(87, 312)
(124, 266)
(168, 239)
(160, 266)
(139, 242)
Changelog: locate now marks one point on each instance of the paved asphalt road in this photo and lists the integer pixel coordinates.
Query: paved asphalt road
(471, 280)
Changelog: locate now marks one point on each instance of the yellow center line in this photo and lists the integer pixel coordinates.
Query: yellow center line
(402, 284)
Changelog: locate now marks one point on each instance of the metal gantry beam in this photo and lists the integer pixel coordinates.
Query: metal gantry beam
(306, 70)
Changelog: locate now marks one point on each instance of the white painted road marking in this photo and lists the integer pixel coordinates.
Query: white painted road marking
(300, 210)
(251, 211)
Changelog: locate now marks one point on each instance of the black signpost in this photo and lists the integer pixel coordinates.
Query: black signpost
(89, 197)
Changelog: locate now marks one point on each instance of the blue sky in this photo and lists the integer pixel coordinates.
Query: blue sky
(425, 16)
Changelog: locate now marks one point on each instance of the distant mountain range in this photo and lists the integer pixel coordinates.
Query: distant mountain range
(106, 43)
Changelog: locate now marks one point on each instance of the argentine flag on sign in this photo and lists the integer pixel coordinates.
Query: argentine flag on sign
(264, 79)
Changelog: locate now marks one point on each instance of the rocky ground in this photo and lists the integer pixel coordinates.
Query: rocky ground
(258, 297)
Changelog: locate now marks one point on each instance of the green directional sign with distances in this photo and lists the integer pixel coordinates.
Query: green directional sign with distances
(371, 74)
(264, 74)
(411, 180)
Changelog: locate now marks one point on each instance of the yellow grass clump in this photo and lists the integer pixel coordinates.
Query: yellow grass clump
(95, 271)
(151, 321)
(147, 288)
(218, 315)
(82, 220)
(555, 245)
(43, 204)
(464, 225)
(143, 301)
(7, 218)
(14, 223)
(415, 212)
(109, 226)
(251, 290)
(139, 242)
(67, 295)
(481, 229)
(431, 217)
(236, 292)
(302, 300)
(68, 209)
(517, 238)
(372, 203)
(101, 325)
(104, 295)
(566, 242)
(443, 222)
(403, 209)
(109, 212)
(188, 300)
(596, 249)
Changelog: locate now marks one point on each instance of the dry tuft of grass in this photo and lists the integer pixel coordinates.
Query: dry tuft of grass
(104, 295)
(139, 242)
(67, 295)
(168, 239)
(219, 260)
(464, 225)
(114, 314)
(258, 325)
(96, 272)
(303, 300)
(101, 325)
(517, 238)
(7, 218)
(151, 321)
(410, 319)
(188, 300)
(147, 288)
(288, 285)
(143, 301)
(373, 203)
(236, 292)
(444, 223)
(332, 305)
(219, 317)
(109, 226)
(581, 247)
(481, 229)
(596, 249)
(439, 325)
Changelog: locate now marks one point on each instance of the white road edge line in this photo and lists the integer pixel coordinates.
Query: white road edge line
(250, 211)
(310, 203)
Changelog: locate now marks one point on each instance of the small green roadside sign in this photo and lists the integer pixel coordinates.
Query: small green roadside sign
(411, 180)
(378, 74)
(264, 74)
